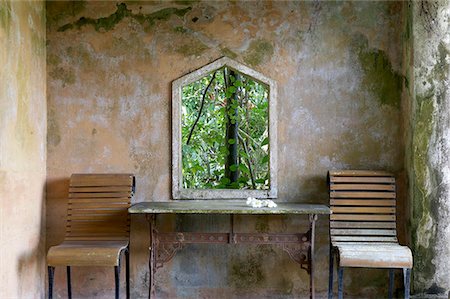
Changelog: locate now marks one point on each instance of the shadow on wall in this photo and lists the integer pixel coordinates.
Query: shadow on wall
(30, 262)
(314, 189)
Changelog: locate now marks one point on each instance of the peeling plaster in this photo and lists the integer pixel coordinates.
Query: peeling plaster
(431, 148)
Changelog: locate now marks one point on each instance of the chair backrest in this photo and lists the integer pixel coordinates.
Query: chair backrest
(98, 206)
(363, 206)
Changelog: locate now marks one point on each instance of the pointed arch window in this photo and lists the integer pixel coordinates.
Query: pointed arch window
(224, 133)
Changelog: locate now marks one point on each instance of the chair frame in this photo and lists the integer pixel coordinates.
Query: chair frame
(110, 185)
(384, 202)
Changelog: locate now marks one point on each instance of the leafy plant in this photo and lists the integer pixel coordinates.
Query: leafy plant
(225, 132)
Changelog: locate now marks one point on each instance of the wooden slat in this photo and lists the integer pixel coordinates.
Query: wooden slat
(77, 225)
(100, 189)
(97, 233)
(107, 211)
(99, 200)
(94, 234)
(115, 235)
(363, 239)
(79, 231)
(123, 206)
(87, 180)
(362, 217)
(114, 214)
(375, 187)
(347, 224)
(384, 180)
(87, 231)
(102, 194)
(94, 217)
(365, 210)
(104, 230)
(95, 238)
(358, 194)
(111, 233)
(363, 202)
(360, 173)
(363, 232)
(110, 221)
(99, 225)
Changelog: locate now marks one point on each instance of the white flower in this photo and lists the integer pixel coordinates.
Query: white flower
(258, 203)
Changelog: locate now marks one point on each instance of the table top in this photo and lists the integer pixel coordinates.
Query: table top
(214, 206)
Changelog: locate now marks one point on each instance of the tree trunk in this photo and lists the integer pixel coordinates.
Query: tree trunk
(231, 138)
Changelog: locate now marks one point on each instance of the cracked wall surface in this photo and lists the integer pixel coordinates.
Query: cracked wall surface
(23, 124)
(429, 150)
(339, 71)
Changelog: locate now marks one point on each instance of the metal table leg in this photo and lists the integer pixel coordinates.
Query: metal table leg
(312, 221)
(152, 255)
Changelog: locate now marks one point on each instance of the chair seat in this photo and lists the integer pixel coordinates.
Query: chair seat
(86, 253)
(374, 255)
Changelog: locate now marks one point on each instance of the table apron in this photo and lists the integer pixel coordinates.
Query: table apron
(233, 238)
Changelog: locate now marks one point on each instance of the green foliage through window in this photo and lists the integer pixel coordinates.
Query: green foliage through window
(225, 142)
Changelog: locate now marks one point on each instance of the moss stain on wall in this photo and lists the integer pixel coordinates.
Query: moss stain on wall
(422, 220)
(228, 53)
(191, 48)
(65, 75)
(5, 15)
(258, 51)
(53, 131)
(262, 224)
(24, 129)
(379, 76)
(122, 11)
(247, 272)
(59, 10)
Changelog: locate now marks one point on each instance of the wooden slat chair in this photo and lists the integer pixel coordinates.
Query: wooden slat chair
(98, 226)
(363, 225)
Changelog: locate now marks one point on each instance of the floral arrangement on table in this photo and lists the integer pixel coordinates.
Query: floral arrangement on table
(261, 203)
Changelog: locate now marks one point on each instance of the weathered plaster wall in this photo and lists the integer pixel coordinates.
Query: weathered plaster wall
(429, 150)
(22, 149)
(339, 71)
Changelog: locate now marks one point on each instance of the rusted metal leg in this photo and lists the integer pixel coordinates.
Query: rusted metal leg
(69, 283)
(407, 280)
(312, 231)
(340, 282)
(152, 258)
(127, 271)
(391, 283)
(330, 275)
(51, 272)
(117, 280)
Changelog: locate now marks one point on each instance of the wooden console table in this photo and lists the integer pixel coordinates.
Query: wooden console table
(163, 246)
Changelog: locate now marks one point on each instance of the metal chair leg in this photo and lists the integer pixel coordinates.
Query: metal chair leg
(51, 272)
(340, 282)
(69, 284)
(330, 275)
(407, 281)
(127, 271)
(391, 283)
(117, 279)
